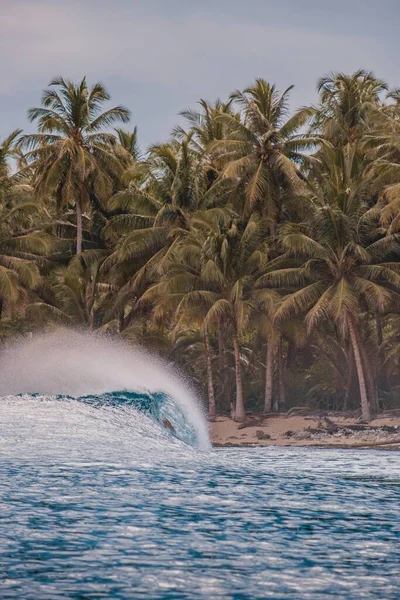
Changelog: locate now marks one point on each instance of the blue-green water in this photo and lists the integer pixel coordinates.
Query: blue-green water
(97, 500)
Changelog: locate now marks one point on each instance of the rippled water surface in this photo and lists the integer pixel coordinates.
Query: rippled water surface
(102, 502)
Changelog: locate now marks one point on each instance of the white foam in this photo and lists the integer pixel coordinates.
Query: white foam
(78, 364)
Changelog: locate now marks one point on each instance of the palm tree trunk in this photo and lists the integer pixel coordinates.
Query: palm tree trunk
(372, 388)
(379, 332)
(365, 409)
(350, 376)
(210, 385)
(269, 376)
(221, 363)
(121, 320)
(239, 409)
(281, 381)
(221, 349)
(291, 354)
(78, 208)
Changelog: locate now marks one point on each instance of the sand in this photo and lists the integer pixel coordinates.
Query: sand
(225, 432)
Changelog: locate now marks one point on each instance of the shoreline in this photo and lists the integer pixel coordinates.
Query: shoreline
(330, 431)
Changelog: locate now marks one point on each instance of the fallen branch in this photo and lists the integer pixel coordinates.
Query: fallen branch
(296, 409)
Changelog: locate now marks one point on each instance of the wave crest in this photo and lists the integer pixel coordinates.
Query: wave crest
(101, 372)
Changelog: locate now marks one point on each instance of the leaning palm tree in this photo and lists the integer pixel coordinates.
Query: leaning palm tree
(72, 153)
(334, 276)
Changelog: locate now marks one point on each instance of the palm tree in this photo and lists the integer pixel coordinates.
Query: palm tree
(212, 281)
(22, 242)
(155, 213)
(190, 352)
(383, 150)
(8, 151)
(261, 149)
(22, 250)
(346, 104)
(205, 125)
(75, 295)
(202, 340)
(72, 154)
(334, 277)
(128, 140)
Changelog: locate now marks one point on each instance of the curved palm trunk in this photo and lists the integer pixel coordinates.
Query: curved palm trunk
(269, 377)
(239, 409)
(78, 208)
(372, 388)
(282, 393)
(382, 377)
(365, 409)
(350, 376)
(210, 384)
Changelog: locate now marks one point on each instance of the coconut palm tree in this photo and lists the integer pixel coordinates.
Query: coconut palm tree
(212, 281)
(347, 103)
(155, 214)
(75, 295)
(205, 125)
(262, 148)
(334, 276)
(8, 151)
(22, 242)
(128, 140)
(23, 247)
(72, 153)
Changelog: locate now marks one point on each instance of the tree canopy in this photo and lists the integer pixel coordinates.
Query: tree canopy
(257, 247)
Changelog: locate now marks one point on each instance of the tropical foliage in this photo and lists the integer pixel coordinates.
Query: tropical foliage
(256, 249)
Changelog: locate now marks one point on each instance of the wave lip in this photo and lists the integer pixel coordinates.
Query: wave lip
(158, 406)
(96, 370)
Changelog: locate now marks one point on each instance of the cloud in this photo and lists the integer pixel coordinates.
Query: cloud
(159, 61)
(40, 39)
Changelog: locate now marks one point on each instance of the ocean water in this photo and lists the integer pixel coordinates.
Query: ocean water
(99, 500)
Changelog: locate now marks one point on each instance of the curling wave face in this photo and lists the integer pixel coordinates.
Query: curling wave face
(159, 407)
(99, 500)
(104, 375)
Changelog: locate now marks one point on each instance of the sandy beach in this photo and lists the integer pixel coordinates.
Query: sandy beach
(304, 430)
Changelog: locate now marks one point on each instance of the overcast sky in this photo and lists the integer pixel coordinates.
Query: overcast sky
(160, 56)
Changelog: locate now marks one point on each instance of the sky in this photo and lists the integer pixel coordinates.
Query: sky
(158, 57)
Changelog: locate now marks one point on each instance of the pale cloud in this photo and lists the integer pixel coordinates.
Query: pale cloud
(175, 56)
(45, 38)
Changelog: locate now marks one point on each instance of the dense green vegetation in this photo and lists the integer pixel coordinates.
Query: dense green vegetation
(256, 249)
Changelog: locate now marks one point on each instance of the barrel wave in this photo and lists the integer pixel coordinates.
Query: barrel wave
(100, 500)
(69, 371)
